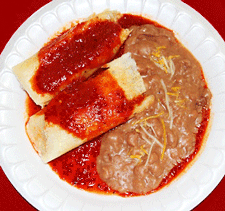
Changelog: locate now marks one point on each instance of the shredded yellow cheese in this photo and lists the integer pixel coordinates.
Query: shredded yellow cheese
(179, 102)
(172, 57)
(157, 52)
(149, 117)
(175, 88)
(129, 151)
(164, 63)
(137, 157)
(172, 94)
(165, 139)
(138, 131)
(142, 153)
(143, 149)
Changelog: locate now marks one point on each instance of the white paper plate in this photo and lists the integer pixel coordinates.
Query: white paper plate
(37, 182)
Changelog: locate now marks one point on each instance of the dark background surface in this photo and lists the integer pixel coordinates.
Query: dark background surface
(14, 13)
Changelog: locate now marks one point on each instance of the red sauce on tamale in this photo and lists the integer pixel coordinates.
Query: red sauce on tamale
(82, 48)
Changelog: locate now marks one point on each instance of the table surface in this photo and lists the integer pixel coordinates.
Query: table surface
(13, 14)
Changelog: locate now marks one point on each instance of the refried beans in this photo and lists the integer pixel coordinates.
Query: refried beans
(136, 156)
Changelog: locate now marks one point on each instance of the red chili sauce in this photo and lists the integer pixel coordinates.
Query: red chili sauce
(76, 50)
(91, 108)
(78, 167)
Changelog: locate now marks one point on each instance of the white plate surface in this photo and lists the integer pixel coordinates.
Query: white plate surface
(37, 182)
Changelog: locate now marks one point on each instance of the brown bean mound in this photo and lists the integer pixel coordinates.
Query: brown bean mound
(137, 155)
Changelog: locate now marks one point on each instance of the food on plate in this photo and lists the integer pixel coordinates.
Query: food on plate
(86, 110)
(74, 55)
(114, 153)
